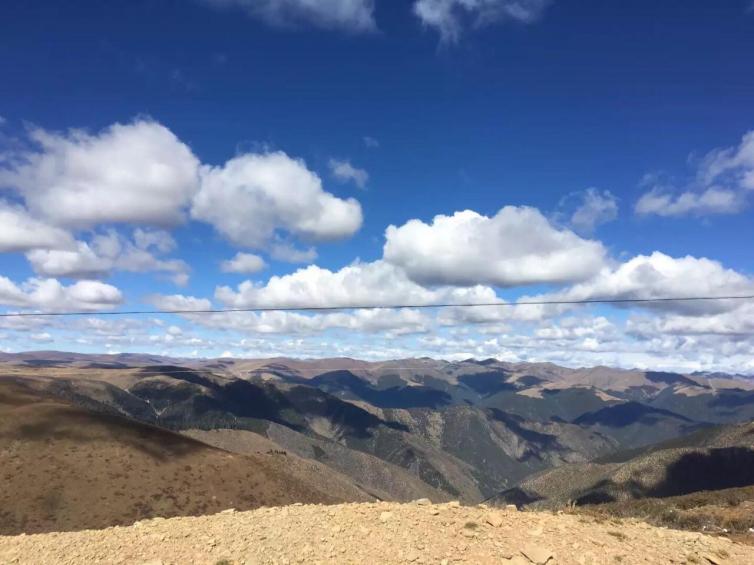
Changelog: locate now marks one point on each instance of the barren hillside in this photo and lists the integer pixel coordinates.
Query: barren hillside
(64, 468)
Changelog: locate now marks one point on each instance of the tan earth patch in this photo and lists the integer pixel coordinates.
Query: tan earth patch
(377, 533)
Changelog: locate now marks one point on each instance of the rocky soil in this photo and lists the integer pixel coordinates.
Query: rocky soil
(418, 532)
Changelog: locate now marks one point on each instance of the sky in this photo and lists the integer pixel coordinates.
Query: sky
(215, 154)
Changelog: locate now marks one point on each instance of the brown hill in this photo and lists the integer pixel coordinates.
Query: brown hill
(64, 468)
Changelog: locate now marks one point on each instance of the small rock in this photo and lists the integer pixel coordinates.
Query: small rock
(434, 511)
(454, 504)
(423, 502)
(229, 511)
(386, 516)
(536, 554)
(444, 562)
(511, 508)
(517, 560)
(493, 519)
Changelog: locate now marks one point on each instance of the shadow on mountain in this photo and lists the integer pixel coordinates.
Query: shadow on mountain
(488, 383)
(623, 415)
(179, 373)
(714, 469)
(394, 397)
(530, 380)
(517, 496)
(359, 423)
(670, 378)
(114, 365)
(513, 423)
(738, 398)
(45, 362)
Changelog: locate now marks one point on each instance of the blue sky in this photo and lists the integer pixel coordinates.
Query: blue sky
(358, 115)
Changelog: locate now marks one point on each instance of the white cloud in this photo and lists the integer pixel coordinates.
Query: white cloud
(736, 323)
(449, 17)
(395, 322)
(44, 337)
(109, 252)
(243, 263)
(373, 284)
(594, 208)
(371, 142)
(713, 200)
(348, 15)
(284, 251)
(142, 174)
(733, 165)
(50, 294)
(254, 196)
(722, 184)
(661, 276)
(160, 240)
(179, 302)
(20, 232)
(344, 171)
(517, 246)
(138, 173)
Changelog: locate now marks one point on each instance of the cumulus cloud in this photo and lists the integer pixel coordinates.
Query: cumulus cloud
(20, 232)
(138, 173)
(347, 15)
(108, 252)
(50, 294)
(722, 184)
(141, 174)
(344, 171)
(372, 284)
(517, 246)
(253, 196)
(243, 263)
(449, 17)
(661, 276)
(592, 208)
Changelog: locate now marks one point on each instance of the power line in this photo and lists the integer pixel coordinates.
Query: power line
(376, 307)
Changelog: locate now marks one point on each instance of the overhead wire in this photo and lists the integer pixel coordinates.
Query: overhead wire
(426, 306)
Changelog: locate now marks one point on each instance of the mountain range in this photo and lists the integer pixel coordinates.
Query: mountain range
(345, 429)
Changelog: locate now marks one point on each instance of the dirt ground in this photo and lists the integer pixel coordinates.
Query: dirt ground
(417, 532)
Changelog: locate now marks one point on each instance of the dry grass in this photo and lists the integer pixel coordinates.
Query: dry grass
(729, 511)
